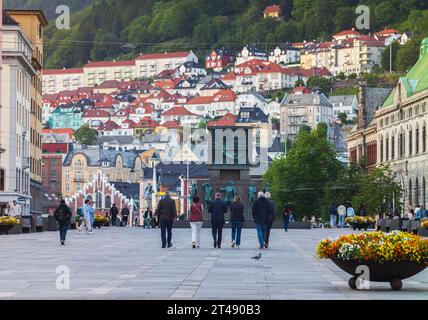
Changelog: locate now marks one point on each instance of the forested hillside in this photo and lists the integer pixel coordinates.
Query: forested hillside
(122, 28)
(48, 6)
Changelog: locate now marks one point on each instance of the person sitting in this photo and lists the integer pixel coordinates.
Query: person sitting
(148, 218)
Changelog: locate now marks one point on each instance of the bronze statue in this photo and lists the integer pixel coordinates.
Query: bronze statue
(230, 192)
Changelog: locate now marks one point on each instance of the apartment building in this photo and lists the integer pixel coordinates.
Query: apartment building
(57, 80)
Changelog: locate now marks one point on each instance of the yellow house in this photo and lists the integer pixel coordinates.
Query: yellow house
(306, 60)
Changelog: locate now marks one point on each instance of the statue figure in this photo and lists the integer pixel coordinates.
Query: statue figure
(267, 187)
(148, 192)
(208, 193)
(193, 190)
(252, 193)
(230, 192)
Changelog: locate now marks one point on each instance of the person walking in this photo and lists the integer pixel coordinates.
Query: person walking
(271, 217)
(196, 221)
(341, 210)
(332, 211)
(217, 208)
(113, 214)
(350, 212)
(125, 214)
(63, 217)
(91, 213)
(167, 213)
(237, 219)
(15, 210)
(86, 220)
(286, 215)
(261, 211)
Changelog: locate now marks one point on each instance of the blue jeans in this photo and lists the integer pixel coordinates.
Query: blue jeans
(286, 222)
(261, 233)
(166, 228)
(333, 220)
(63, 228)
(236, 232)
(341, 221)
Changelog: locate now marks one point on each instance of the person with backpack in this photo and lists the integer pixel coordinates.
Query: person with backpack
(167, 213)
(196, 221)
(63, 217)
(125, 214)
(113, 214)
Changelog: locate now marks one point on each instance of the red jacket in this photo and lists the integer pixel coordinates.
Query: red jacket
(196, 213)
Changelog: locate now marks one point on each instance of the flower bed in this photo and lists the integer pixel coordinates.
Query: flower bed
(100, 221)
(389, 256)
(360, 223)
(9, 221)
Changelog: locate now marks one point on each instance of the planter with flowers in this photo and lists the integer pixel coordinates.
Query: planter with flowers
(424, 224)
(360, 223)
(390, 257)
(8, 224)
(100, 221)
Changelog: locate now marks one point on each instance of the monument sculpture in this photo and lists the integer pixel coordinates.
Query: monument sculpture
(208, 194)
(230, 192)
(148, 192)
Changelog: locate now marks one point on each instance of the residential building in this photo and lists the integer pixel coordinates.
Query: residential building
(304, 107)
(82, 165)
(345, 104)
(285, 54)
(251, 100)
(250, 53)
(150, 65)
(32, 22)
(97, 72)
(218, 60)
(56, 80)
(273, 11)
(15, 118)
(180, 114)
(66, 116)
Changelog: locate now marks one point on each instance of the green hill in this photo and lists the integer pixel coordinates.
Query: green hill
(48, 6)
(119, 29)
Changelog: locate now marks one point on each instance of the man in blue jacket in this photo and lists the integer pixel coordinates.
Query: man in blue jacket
(217, 208)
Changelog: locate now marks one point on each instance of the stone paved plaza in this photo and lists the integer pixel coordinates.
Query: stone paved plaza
(128, 263)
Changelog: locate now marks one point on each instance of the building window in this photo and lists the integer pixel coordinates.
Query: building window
(424, 139)
(107, 202)
(99, 200)
(424, 199)
(410, 192)
(410, 142)
(417, 192)
(53, 162)
(2, 179)
(387, 149)
(392, 148)
(417, 141)
(381, 150)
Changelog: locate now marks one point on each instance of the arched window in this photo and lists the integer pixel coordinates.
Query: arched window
(107, 202)
(99, 199)
(410, 192)
(417, 141)
(2, 179)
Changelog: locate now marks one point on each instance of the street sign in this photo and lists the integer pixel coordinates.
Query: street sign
(22, 199)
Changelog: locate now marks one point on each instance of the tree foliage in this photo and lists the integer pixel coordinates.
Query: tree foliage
(85, 135)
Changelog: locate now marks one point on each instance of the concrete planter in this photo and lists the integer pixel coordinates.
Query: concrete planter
(10, 229)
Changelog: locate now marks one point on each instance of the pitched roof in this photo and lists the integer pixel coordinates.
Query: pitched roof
(68, 131)
(228, 120)
(96, 156)
(225, 95)
(114, 84)
(166, 55)
(349, 32)
(272, 9)
(171, 124)
(178, 111)
(109, 126)
(95, 114)
(389, 31)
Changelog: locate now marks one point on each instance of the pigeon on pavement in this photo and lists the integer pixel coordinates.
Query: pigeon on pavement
(257, 257)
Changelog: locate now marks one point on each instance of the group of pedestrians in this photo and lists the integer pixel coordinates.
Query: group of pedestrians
(114, 213)
(338, 214)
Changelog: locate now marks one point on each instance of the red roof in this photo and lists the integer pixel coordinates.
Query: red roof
(147, 122)
(109, 84)
(389, 31)
(162, 94)
(103, 64)
(172, 124)
(226, 95)
(229, 76)
(301, 90)
(55, 148)
(178, 111)
(129, 122)
(69, 131)
(200, 100)
(47, 72)
(228, 120)
(95, 114)
(166, 55)
(109, 126)
(273, 9)
(349, 32)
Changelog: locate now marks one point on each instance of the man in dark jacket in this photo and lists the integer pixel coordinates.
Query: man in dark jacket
(167, 213)
(270, 219)
(125, 215)
(262, 209)
(113, 214)
(217, 208)
(63, 217)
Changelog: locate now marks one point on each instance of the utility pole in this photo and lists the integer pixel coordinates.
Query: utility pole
(390, 57)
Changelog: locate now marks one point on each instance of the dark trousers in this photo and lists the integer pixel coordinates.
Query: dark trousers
(268, 227)
(113, 219)
(236, 231)
(63, 228)
(217, 230)
(166, 231)
(286, 222)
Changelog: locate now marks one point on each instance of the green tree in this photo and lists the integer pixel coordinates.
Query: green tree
(343, 117)
(293, 178)
(408, 55)
(299, 83)
(85, 135)
(321, 83)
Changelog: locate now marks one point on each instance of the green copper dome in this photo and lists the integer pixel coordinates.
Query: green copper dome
(424, 47)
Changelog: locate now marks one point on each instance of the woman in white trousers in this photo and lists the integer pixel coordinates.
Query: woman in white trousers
(196, 221)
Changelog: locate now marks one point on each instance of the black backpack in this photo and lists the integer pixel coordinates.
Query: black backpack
(62, 214)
